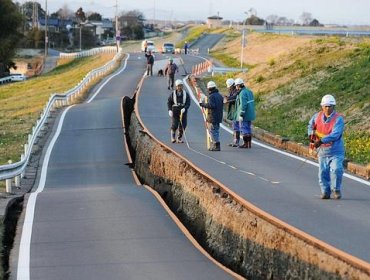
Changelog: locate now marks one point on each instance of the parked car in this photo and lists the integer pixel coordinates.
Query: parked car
(168, 48)
(150, 46)
(17, 77)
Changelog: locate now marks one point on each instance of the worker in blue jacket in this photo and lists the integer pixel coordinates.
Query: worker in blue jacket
(245, 112)
(325, 130)
(215, 114)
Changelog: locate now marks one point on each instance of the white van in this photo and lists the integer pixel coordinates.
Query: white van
(16, 77)
(150, 46)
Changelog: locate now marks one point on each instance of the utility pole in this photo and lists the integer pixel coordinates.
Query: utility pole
(243, 43)
(154, 14)
(35, 15)
(46, 29)
(118, 32)
(116, 16)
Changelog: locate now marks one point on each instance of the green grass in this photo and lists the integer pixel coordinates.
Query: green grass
(350, 85)
(193, 33)
(23, 102)
(340, 66)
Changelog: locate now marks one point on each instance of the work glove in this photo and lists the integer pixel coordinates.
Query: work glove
(317, 143)
(170, 113)
(183, 110)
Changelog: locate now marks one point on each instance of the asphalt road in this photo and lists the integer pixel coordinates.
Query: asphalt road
(88, 219)
(281, 185)
(206, 43)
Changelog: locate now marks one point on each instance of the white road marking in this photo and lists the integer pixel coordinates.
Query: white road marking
(23, 269)
(110, 77)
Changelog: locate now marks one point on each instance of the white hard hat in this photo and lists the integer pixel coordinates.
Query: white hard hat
(239, 81)
(178, 82)
(328, 100)
(211, 84)
(229, 82)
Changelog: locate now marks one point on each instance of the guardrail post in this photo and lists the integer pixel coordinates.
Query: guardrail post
(8, 185)
(22, 158)
(17, 181)
(8, 182)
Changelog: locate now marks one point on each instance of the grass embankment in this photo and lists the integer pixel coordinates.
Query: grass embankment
(23, 102)
(289, 75)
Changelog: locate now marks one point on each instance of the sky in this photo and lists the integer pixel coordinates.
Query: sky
(349, 12)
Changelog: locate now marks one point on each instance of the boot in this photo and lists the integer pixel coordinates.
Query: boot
(250, 141)
(179, 137)
(215, 147)
(246, 142)
(173, 136)
(218, 146)
(235, 142)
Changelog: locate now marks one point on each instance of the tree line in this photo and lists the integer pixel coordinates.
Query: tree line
(20, 28)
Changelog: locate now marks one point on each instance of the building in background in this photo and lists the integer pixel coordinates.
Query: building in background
(214, 21)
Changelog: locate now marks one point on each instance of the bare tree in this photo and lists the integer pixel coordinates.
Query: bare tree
(132, 24)
(306, 18)
(272, 19)
(80, 15)
(65, 12)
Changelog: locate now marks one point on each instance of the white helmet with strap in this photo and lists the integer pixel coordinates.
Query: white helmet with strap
(239, 81)
(328, 100)
(229, 82)
(179, 82)
(211, 84)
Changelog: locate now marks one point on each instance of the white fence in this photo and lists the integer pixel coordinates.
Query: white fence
(110, 49)
(13, 172)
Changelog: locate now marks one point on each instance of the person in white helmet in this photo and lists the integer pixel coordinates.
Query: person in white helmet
(178, 104)
(325, 131)
(170, 70)
(245, 112)
(215, 113)
(230, 101)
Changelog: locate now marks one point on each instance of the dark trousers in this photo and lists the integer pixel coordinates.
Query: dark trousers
(171, 80)
(149, 69)
(178, 121)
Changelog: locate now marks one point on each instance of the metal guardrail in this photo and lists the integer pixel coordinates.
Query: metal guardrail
(110, 49)
(5, 80)
(214, 70)
(16, 170)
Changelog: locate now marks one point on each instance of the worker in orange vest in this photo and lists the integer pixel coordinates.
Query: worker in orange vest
(325, 130)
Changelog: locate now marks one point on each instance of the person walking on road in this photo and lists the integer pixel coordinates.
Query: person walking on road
(149, 63)
(178, 104)
(186, 46)
(245, 112)
(215, 114)
(230, 101)
(170, 70)
(145, 46)
(325, 130)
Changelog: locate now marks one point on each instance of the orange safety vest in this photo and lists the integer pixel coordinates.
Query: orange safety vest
(324, 128)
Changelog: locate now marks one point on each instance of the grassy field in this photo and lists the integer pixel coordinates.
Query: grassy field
(22, 102)
(289, 75)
